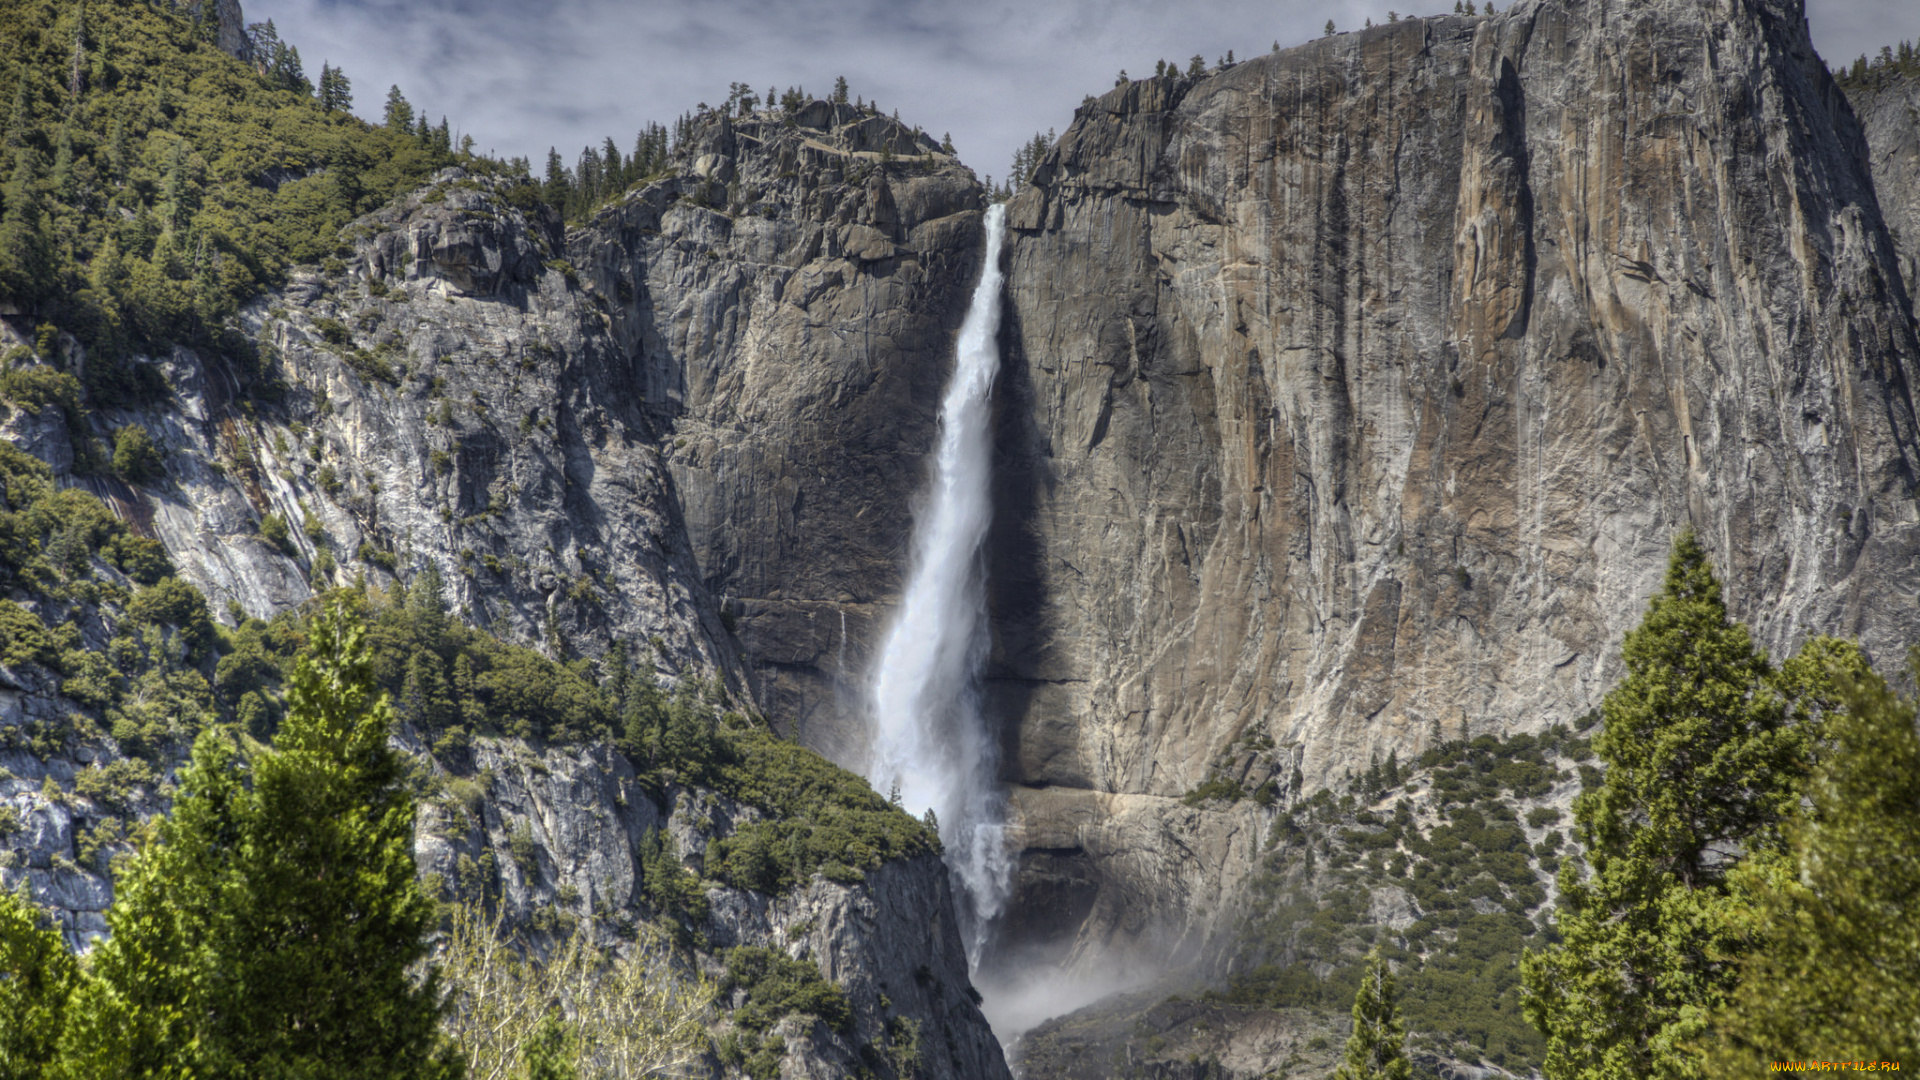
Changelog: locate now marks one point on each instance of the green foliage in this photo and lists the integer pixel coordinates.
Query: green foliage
(1829, 924)
(36, 388)
(114, 784)
(1888, 67)
(275, 921)
(667, 884)
(37, 978)
(1471, 873)
(182, 182)
(1377, 1049)
(1215, 786)
(24, 639)
(1703, 754)
(135, 458)
(549, 1054)
(173, 603)
(777, 987)
(820, 818)
(273, 529)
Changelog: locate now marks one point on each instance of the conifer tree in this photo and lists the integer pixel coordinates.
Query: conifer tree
(1834, 920)
(557, 183)
(399, 114)
(63, 189)
(336, 90)
(1703, 750)
(37, 977)
(25, 248)
(270, 929)
(645, 721)
(1377, 1049)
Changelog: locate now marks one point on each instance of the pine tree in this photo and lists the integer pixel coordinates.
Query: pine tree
(619, 675)
(1833, 921)
(63, 187)
(174, 194)
(840, 90)
(26, 256)
(399, 114)
(555, 189)
(645, 720)
(427, 609)
(336, 90)
(270, 929)
(37, 978)
(1377, 1049)
(1703, 749)
(119, 154)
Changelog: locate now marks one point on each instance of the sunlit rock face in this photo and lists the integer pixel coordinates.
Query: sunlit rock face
(1351, 397)
(1356, 392)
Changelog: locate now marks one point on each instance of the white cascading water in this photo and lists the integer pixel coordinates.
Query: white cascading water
(930, 742)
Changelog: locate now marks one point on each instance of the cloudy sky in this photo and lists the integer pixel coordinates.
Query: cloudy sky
(521, 77)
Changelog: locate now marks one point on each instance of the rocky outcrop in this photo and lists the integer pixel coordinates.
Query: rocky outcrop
(1355, 394)
(551, 840)
(792, 304)
(697, 422)
(890, 941)
(692, 428)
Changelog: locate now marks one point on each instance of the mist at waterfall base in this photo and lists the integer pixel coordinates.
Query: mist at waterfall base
(930, 742)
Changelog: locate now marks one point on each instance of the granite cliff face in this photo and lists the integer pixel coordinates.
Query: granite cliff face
(1358, 391)
(1889, 115)
(1352, 395)
(683, 427)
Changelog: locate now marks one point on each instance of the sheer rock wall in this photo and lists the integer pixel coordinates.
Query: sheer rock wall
(1358, 391)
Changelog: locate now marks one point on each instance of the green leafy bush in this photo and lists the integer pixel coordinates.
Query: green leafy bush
(135, 458)
(172, 602)
(273, 529)
(777, 987)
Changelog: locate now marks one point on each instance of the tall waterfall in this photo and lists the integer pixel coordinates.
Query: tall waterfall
(930, 742)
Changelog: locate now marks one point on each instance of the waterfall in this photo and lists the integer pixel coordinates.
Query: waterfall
(930, 742)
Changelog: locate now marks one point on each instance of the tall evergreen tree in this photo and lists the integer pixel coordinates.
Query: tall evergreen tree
(427, 609)
(399, 114)
(26, 256)
(336, 90)
(1703, 750)
(37, 977)
(270, 929)
(1833, 921)
(557, 181)
(1377, 1049)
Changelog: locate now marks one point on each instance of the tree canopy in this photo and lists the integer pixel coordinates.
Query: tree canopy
(1704, 744)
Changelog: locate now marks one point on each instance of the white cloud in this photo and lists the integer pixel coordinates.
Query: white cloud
(522, 77)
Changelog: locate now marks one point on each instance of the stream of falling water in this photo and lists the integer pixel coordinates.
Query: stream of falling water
(930, 742)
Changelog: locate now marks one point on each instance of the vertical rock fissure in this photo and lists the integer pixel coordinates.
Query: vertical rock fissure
(930, 744)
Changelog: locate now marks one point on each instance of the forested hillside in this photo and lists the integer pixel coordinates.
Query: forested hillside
(625, 812)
